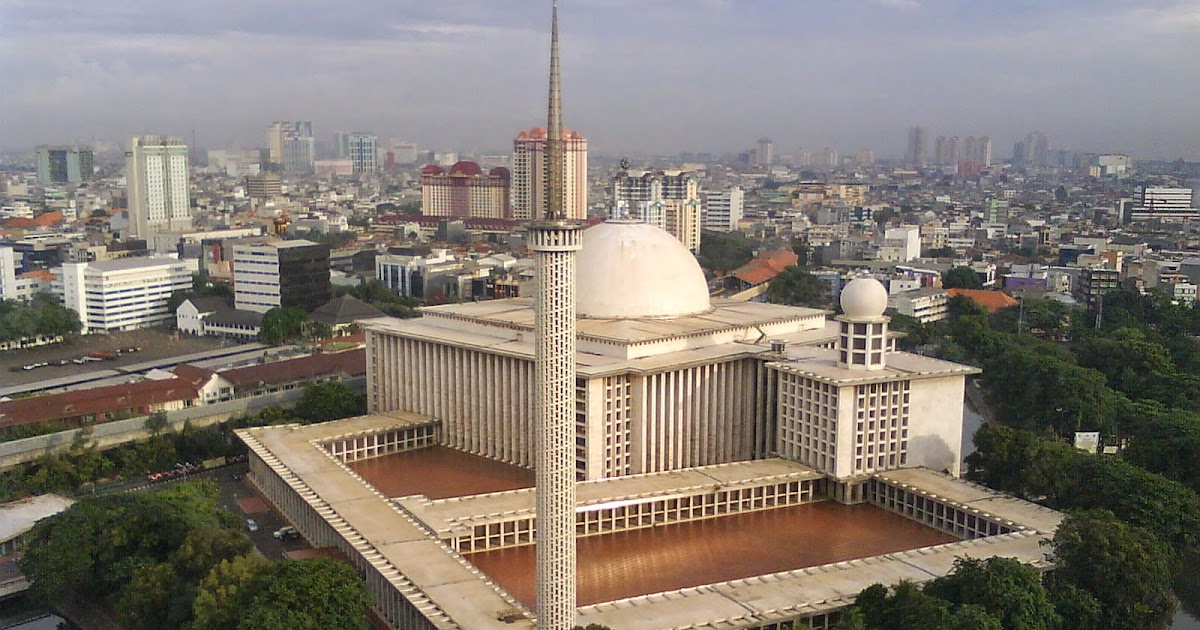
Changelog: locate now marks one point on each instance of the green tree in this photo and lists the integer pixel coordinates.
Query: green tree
(796, 287)
(316, 594)
(1078, 608)
(1063, 478)
(725, 251)
(282, 325)
(1165, 441)
(961, 278)
(331, 400)
(1145, 368)
(1033, 388)
(226, 593)
(147, 601)
(1126, 568)
(1002, 587)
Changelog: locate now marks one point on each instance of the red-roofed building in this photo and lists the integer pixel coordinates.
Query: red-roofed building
(762, 269)
(465, 191)
(991, 300)
(283, 375)
(48, 219)
(529, 175)
(100, 404)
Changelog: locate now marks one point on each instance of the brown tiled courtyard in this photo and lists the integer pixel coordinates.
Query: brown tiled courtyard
(640, 562)
(440, 473)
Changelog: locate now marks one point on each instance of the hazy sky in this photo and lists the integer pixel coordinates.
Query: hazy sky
(639, 75)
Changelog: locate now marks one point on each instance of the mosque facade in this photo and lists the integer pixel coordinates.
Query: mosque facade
(668, 379)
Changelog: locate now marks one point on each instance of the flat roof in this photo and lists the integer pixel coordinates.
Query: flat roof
(512, 342)
(1009, 508)
(18, 517)
(518, 313)
(822, 364)
(133, 262)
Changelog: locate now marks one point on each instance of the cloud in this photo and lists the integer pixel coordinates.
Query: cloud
(907, 5)
(640, 75)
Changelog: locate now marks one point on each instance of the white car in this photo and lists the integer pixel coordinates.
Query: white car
(251, 525)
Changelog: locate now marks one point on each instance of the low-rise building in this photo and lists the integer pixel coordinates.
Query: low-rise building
(925, 305)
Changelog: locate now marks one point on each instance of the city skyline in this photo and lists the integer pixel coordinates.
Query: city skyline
(812, 74)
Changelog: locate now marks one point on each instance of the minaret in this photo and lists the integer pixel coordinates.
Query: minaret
(554, 242)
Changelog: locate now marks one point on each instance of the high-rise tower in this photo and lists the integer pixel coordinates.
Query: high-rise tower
(156, 175)
(555, 240)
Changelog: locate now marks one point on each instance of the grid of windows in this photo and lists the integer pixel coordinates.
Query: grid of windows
(881, 426)
(863, 344)
(808, 421)
(955, 519)
(617, 429)
(637, 514)
(365, 446)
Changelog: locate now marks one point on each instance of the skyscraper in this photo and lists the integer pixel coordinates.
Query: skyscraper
(363, 152)
(917, 147)
(291, 146)
(764, 152)
(530, 180)
(64, 165)
(665, 199)
(156, 173)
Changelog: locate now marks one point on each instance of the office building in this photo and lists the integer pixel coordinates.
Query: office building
(665, 199)
(290, 146)
(764, 152)
(123, 294)
(720, 211)
(465, 191)
(1164, 204)
(363, 152)
(917, 147)
(156, 174)
(280, 274)
(64, 165)
(529, 181)
(264, 186)
(8, 273)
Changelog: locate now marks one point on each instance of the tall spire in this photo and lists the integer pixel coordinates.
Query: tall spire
(555, 205)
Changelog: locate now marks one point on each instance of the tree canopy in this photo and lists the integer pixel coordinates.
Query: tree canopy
(725, 251)
(283, 325)
(42, 315)
(1126, 569)
(796, 287)
(329, 401)
(173, 559)
(961, 278)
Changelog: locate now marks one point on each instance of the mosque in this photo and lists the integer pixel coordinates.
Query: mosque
(622, 450)
(740, 465)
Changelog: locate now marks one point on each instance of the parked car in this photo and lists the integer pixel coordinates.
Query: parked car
(286, 533)
(251, 525)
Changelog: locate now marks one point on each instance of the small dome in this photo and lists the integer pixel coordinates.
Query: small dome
(633, 270)
(432, 169)
(464, 167)
(500, 172)
(864, 298)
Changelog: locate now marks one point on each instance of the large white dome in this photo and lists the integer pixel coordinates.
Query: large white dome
(864, 298)
(633, 270)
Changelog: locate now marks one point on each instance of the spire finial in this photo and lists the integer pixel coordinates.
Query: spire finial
(555, 207)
